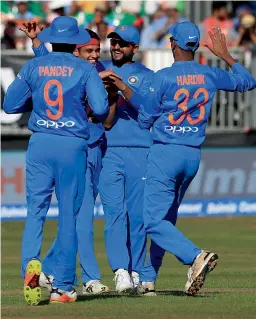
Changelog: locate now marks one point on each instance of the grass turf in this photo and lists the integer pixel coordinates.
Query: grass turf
(229, 292)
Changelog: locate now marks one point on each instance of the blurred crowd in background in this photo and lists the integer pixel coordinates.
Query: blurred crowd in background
(237, 19)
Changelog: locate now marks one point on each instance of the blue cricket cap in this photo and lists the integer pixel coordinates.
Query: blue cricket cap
(64, 30)
(127, 33)
(186, 34)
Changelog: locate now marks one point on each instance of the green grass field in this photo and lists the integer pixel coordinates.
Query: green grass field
(229, 292)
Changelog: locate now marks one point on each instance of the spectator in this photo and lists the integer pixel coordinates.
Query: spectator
(23, 13)
(37, 8)
(100, 26)
(58, 8)
(246, 31)
(159, 27)
(82, 17)
(152, 6)
(103, 31)
(147, 40)
(8, 39)
(219, 18)
(90, 6)
(240, 12)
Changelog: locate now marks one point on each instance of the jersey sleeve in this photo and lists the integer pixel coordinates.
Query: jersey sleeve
(18, 98)
(151, 108)
(96, 95)
(138, 96)
(41, 50)
(240, 80)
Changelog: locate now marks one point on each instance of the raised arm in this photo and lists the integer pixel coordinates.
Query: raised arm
(31, 30)
(112, 99)
(241, 79)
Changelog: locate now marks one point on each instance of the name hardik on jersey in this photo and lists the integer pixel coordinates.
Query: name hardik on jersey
(180, 98)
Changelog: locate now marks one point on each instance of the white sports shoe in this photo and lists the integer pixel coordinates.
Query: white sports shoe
(146, 288)
(122, 281)
(204, 263)
(62, 296)
(135, 279)
(45, 281)
(94, 287)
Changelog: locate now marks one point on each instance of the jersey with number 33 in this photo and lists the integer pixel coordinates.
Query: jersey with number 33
(180, 98)
(59, 84)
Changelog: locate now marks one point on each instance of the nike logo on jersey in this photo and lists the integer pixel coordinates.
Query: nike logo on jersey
(192, 37)
(62, 30)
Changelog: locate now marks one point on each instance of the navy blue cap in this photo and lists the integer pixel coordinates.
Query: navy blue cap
(64, 30)
(186, 34)
(127, 33)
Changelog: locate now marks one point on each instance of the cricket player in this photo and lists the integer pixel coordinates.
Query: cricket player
(122, 178)
(90, 271)
(59, 85)
(133, 156)
(178, 108)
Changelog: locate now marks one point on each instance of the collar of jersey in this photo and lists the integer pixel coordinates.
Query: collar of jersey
(184, 62)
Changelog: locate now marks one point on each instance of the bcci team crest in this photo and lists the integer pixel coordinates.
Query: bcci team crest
(133, 79)
(122, 27)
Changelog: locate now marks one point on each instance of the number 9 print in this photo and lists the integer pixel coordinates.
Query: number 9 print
(58, 102)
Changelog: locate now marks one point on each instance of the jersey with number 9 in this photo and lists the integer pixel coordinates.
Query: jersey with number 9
(60, 84)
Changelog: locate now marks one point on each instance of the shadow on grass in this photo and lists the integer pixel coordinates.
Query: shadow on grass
(177, 293)
(44, 302)
(180, 293)
(103, 296)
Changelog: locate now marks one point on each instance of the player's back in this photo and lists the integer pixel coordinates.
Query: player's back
(185, 93)
(58, 83)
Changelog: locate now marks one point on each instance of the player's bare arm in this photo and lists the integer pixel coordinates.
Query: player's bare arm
(31, 29)
(112, 100)
(219, 46)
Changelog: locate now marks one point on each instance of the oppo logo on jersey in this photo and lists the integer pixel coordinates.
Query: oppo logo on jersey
(181, 129)
(55, 124)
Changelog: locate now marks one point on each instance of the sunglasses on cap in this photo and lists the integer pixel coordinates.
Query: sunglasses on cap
(121, 43)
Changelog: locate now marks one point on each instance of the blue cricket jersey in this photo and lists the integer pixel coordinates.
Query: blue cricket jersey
(126, 132)
(59, 84)
(180, 98)
(96, 129)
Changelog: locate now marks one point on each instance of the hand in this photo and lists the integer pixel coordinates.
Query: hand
(219, 46)
(107, 73)
(117, 81)
(31, 29)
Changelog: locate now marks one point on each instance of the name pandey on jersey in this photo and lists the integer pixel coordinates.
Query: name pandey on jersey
(55, 70)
